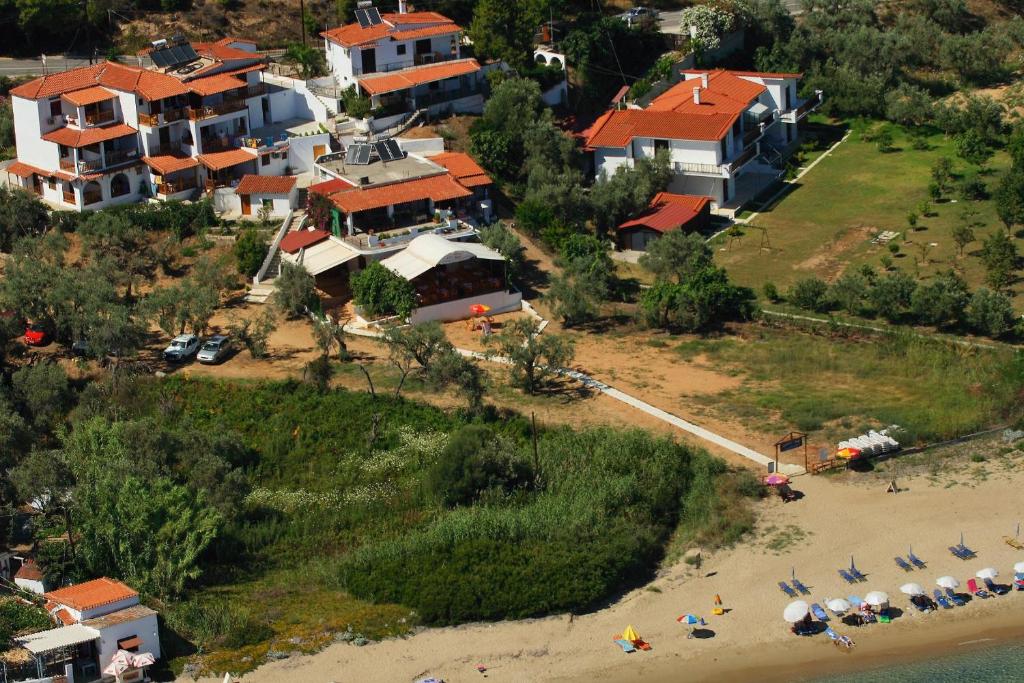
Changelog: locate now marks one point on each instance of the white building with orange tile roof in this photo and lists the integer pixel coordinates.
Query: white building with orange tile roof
(405, 61)
(715, 125)
(188, 118)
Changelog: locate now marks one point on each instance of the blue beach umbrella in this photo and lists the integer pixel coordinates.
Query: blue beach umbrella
(689, 619)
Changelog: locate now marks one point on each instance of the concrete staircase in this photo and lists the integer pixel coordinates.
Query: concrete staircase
(259, 294)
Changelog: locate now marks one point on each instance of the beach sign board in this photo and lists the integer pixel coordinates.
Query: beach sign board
(791, 444)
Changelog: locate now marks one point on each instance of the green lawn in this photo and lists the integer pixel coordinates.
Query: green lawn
(826, 222)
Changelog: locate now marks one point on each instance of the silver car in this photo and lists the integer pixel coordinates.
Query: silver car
(181, 348)
(214, 350)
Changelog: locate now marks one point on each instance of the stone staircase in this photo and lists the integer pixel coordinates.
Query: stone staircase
(260, 291)
(259, 294)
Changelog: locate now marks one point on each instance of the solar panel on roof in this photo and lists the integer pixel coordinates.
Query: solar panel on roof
(362, 18)
(160, 57)
(394, 150)
(364, 155)
(373, 16)
(190, 52)
(351, 153)
(382, 151)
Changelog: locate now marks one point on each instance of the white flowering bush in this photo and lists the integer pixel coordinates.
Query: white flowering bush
(706, 25)
(414, 448)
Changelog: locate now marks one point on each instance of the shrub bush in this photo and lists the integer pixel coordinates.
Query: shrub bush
(474, 462)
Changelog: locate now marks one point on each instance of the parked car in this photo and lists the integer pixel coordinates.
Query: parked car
(214, 350)
(37, 334)
(181, 348)
(638, 15)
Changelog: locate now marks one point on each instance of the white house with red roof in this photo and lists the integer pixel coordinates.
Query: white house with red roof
(102, 632)
(715, 125)
(189, 118)
(405, 60)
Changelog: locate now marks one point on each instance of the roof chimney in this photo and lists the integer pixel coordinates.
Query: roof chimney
(696, 95)
(704, 79)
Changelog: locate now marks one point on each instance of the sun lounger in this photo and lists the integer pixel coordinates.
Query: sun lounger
(625, 645)
(800, 587)
(784, 587)
(965, 551)
(902, 564)
(941, 599)
(855, 573)
(818, 612)
(916, 561)
(972, 586)
(846, 576)
(954, 598)
(957, 552)
(832, 635)
(1018, 581)
(1013, 543)
(642, 645)
(922, 603)
(997, 589)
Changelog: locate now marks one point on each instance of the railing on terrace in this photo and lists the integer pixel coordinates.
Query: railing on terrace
(256, 90)
(281, 232)
(417, 60)
(266, 141)
(432, 58)
(217, 145)
(166, 148)
(114, 157)
(446, 96)
(69, 197)
(211, 110)
(391, 238)
(804, 109)
(751, 135)
(100, 117)
(166, 116)
(703, 169)
(67, 163)
(744, 158)
(176, 186)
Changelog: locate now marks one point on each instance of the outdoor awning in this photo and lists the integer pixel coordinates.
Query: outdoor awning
(427, 251)
(56, 638)
(129, 643)
(216, 161)
(758, 111)
(322, 256)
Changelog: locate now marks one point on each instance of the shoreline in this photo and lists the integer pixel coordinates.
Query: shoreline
(878, 646)
(810, 538)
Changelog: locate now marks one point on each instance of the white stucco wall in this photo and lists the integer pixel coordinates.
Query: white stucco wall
(30, 585)
(300, 151)
(145, 628)
(500, 302)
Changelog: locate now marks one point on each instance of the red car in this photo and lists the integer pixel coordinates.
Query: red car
(36, 334)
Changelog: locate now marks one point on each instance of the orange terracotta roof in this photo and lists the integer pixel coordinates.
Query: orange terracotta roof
(166, 164)
(76, 137)
(265, 184)
(415, 18)
(211, 85)
(91, 95)
(222, 51)
(23, 170)
(95, 593)
(150, 84)
(64, 616)
(766, 74)
(462, 166)
(408, 78)
(618, 128)
(216, 161)
(300, 239)
(244, 70)
(29, 571)
(726, 93)
(669, 211)
(227, 40)
(352, 35)
(329, 187)
(423, 32)
(439, 188)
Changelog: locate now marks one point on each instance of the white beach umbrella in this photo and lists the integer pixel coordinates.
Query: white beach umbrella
(912, 589)
(1019, 567)
(987, 573)
(876, 598)
(795, 611)
(839, 605)
(947, 582)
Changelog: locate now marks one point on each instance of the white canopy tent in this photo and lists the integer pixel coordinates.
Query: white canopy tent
(427, 251)
(322, 256)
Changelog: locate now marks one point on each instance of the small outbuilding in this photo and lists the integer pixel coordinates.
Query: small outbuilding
(30, 577)
(450, 277)
(278, 193)
(665, 213)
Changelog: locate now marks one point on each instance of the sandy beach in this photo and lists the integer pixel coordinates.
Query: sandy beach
(814, 536)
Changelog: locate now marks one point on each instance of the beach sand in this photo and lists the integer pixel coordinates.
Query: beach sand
(816, 535)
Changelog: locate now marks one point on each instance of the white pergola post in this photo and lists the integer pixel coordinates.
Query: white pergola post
(350, 223)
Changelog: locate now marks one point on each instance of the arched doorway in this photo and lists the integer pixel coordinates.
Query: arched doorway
(119, 185)
(92, 193)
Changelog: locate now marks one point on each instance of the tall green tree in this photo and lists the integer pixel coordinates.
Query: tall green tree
(21, 215)
(112, 238)
(1009, 198)
(504, 30)
(534, 357)
(999, 254)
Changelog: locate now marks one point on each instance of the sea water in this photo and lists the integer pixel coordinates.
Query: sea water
(997, 664)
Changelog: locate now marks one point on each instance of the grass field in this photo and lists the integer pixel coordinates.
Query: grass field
(825, 223)
(837, 388)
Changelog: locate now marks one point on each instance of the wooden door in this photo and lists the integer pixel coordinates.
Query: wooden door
(246, 205)
(319, 151)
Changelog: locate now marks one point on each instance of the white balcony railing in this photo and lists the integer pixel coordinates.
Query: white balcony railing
(805, 108)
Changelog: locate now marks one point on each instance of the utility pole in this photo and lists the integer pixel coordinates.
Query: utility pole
(302, 20)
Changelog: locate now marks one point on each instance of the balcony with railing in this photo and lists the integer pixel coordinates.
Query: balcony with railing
(692, 168)
(166, 149)
(208, 111)
(805, 108)
(745, 157)
(164, 117)
(99, 118)
(178, 185)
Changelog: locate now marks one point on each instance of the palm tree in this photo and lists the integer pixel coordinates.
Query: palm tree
(308, 59)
